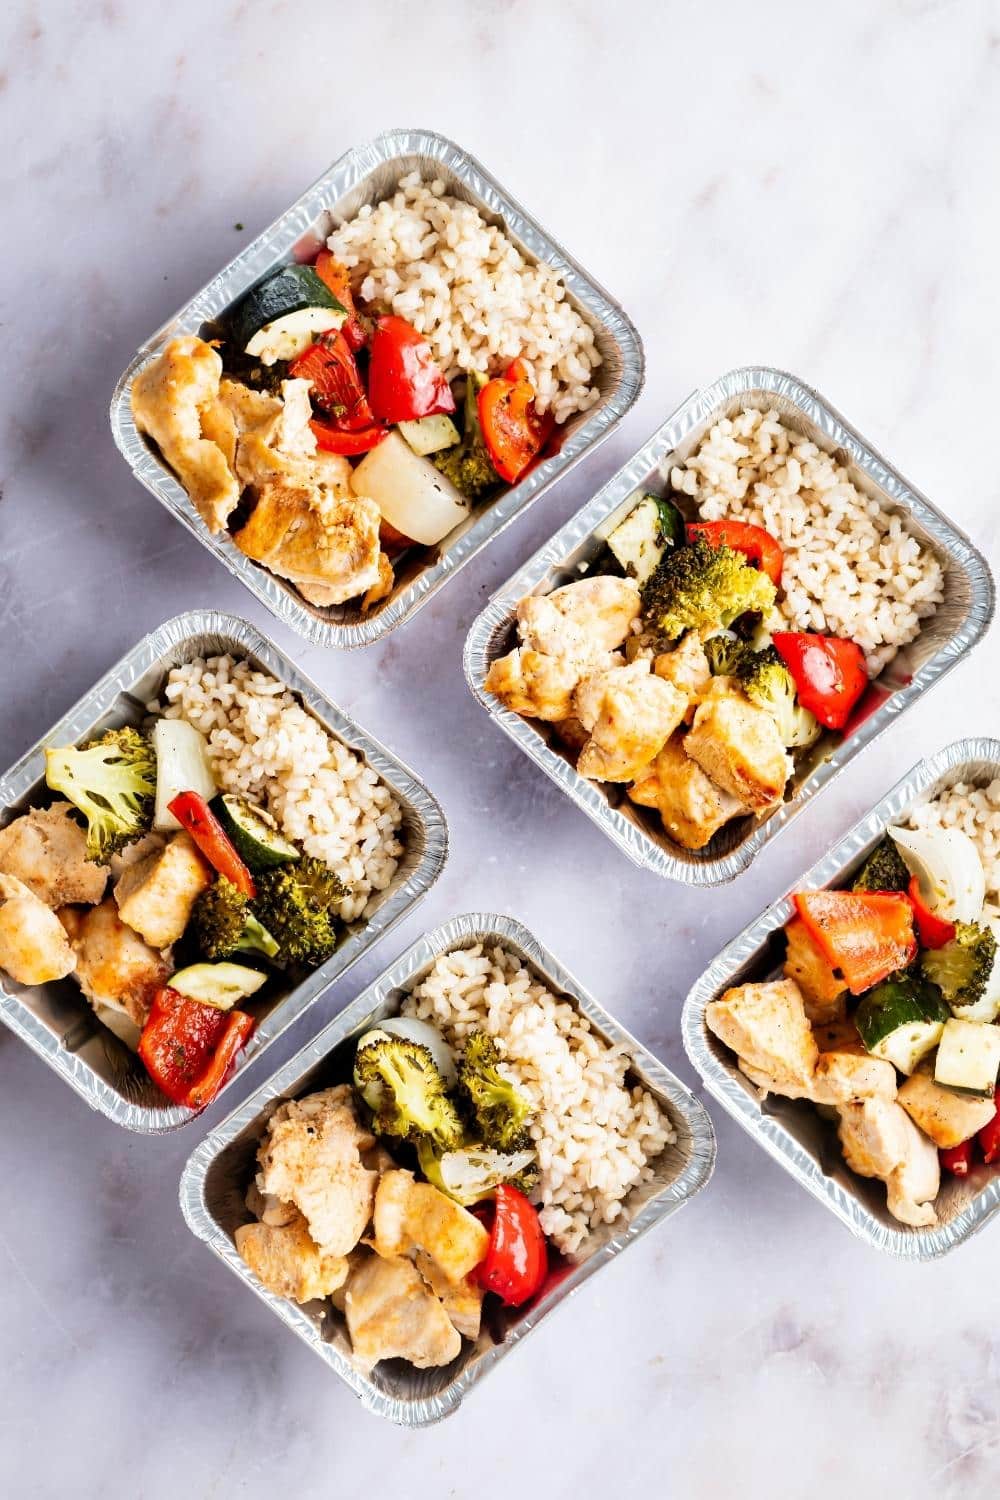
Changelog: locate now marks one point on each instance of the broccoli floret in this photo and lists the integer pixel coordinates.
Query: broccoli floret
(223, 923)
(767, 682)
(700, 587)
(726, 654)
(883, 870)
(501, 1114)
(112, 781)
(297, 904)
(399, 1082)
(469, 466)
(962, 968)
(473, 1173)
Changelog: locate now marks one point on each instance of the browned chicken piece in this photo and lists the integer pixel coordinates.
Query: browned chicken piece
(686, 666)
(117, 971)
(879, 1139)
(630, 715)
(311, 1156)
(378, 591)
(413, 1215)
(822, 987)
(692, 807)
(287, 1262)
(766, 1026)
(461, 1300)
(571, 733)
(317, 541)
(839, 1077)
(155, 896)
(269, 1209)
(47, 851)
(531, 683)
(168, 397)
(392, 1314)
(738, 745)
(946, 1117)
(33, 944)
(582, 620)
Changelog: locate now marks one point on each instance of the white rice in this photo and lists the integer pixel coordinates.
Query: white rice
(976, 811)
(595, 1137)
(435, 261)
(851, 568)
(266, 747)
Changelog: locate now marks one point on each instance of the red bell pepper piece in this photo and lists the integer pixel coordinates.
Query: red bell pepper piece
(338, 279)
(989, 1139)
(194, 814)
(867, 935)
(829, 673)
(333, 440)
(337, 387)
(404, 381)
(188, 1047)
(756, 544)
(517, 1260)
(513, 429)
(957, 1159)
(932, 930)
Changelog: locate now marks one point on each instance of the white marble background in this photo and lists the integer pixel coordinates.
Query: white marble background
(809, 186)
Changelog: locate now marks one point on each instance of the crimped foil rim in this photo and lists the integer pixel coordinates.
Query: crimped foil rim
(499, 612)
(947, 766)
(406, 786)
(472, 926)
(267, 250)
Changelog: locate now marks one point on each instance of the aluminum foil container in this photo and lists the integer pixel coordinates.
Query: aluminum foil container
(219, 1171)
(791, 1130)
(54, 1019)
(366, 175)
(956, 626)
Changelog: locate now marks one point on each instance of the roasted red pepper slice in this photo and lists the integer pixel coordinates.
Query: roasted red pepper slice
(989, 1139)
(867, 935)
(333, 440)
(829, 673)
(933, 931)
(194, 814)
(957, 1159)
(756, 544)
(513, 429)
(188, 1047)
(337, 387)
(404, 381)
(517, 1259)
(338, 279)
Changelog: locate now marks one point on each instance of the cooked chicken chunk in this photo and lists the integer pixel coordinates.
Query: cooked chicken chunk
(115, 967)
(33, 945)
(948, 1118)
(766, 1026)
(738, 745)
(318, 541)
(413, 1215)
(582, 620)
(47, 851)
(879, 1139)
(823, 989)
(571, 733)
(168, 397)
(392, 1314)
(692, 807)
(839, 1077)
(156, 895)
(287, 1262)
(529, 682)
(311, 1156)
(462, 1300)
(686, 666)
(630, 714)
(269, 1209)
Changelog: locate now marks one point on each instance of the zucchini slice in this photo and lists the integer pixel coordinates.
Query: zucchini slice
(900, 1021)
(283, 315)
(254, 833)
(649, 529)
(430, 434)
(221, 985)
(968, 1057)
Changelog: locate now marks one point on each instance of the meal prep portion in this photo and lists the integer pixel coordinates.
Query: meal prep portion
(724, 626)
(485, 1130)
(887, 1017)
(345, 413)
(191, 866)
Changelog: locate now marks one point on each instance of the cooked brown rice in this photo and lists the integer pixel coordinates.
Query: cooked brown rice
(594, 1135)
(266, 747)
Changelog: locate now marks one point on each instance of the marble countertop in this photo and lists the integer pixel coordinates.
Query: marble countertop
(794, 185)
